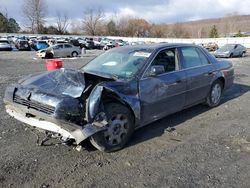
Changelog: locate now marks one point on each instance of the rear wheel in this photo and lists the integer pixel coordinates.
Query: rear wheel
(74, 54)
(119, 129)
(243, 54)
(214, 96)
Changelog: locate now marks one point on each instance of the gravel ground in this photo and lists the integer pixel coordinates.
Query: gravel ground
(198, 147)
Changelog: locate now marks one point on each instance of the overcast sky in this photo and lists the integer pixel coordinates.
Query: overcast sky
(157, 11)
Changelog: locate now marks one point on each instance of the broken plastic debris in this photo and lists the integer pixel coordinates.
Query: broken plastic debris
(78, 148)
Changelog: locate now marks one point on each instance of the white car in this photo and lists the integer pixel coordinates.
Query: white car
(59, 50)
(5, 45)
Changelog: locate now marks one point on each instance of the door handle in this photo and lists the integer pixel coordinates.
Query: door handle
(209, 73)
(178, 81)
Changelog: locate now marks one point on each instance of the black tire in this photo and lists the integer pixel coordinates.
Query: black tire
(231, 55)
(119, 129)
(243, 54)
(215, 94)
(49, 55)
(74, 54)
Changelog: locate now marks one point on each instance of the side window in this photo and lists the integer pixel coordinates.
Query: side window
(68, 46)
(193, 57)
(167, 59)
(203, 58)
(60, 46)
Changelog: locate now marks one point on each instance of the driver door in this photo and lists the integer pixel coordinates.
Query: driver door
(164, 93)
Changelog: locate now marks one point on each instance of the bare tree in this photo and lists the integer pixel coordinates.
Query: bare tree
(34, 11)
(179, 31)
(159, 30)
(62, 23)
(92, 21)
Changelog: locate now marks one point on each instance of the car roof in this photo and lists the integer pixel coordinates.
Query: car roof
(152, 47)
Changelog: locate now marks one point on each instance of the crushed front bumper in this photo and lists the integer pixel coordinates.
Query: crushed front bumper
(65, 129)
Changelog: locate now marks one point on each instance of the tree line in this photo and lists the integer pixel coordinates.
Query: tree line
(8, 25)
(94, 22)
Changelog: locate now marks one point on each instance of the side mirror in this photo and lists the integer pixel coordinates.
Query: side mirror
(156, 70)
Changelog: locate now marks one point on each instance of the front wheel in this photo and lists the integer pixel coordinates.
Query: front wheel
(214, 96)
(49, 55)
(119, 129)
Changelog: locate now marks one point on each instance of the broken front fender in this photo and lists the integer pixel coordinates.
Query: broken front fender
(102, 92)
(93, 102)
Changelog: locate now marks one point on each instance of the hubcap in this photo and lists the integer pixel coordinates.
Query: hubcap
(216, 93)
(117, 129)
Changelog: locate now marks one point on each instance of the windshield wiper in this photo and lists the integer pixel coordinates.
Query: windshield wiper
(114, 76)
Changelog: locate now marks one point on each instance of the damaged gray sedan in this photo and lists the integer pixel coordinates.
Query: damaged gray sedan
(118, 92)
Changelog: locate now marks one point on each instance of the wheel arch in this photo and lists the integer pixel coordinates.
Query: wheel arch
(102, 95)
(222, 79)
(219, 76)
(109, 97)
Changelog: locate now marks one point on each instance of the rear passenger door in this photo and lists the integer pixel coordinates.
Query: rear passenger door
(199, 73)
(68, 49)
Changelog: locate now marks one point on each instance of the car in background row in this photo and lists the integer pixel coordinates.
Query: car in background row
(23, 45)
(231, 50)
(119, 91)
(39, 44)
(59, 50)
(5, 45)
(211, 46)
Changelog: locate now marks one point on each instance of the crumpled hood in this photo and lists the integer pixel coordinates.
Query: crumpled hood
(62, 81)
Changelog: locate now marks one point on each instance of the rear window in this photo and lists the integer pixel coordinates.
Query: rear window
(42, 42)
(68, 46)
(4, 41)
(23, 42)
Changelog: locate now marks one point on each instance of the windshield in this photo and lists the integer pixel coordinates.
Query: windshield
(227, 47)
(123, 63)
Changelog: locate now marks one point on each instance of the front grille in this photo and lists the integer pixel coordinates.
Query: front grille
(35, 105)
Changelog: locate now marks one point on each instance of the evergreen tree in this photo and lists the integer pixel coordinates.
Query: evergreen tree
(8, 25)
(111, 29)
(213, 32)
(3, 23)
(239, 34)
(13, 26)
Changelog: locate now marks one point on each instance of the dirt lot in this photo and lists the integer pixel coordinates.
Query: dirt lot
(198, 147)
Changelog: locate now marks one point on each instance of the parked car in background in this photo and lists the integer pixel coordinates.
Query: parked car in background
(108, 44)
(5, 45)
(119, 91)
(23, 45)
(120, 42)
(231, 50)
(89, 43)
(40, 44)
(211, 46)
(59, 50)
